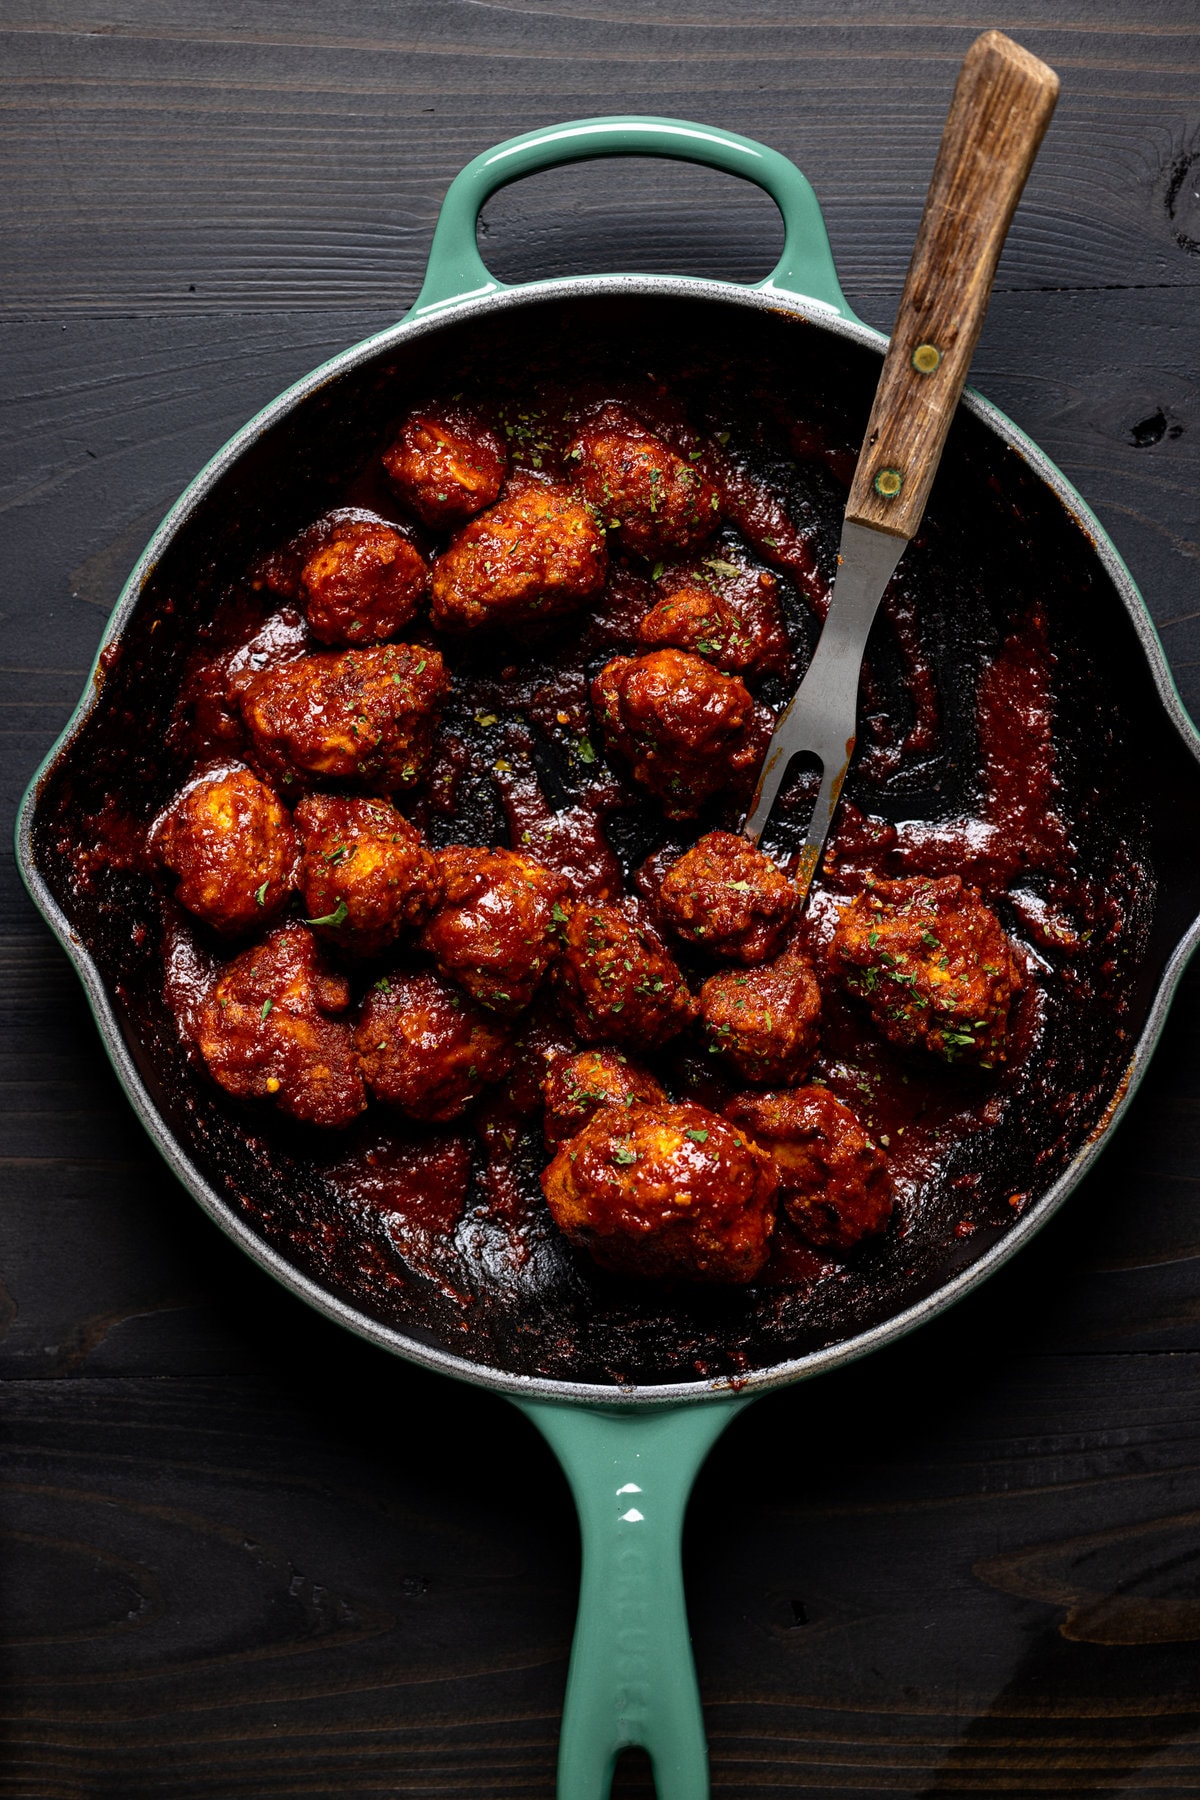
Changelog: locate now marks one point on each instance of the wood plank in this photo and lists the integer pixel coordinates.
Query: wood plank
(247, 1556)
(163, 164)
(255, 1588)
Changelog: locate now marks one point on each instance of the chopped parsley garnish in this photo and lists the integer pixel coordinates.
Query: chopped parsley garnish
(333, 918)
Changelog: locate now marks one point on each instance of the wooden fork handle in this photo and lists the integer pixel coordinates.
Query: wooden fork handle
(1001, 107)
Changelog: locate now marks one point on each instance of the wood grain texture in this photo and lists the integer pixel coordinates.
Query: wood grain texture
(173, 159)
(247, 1557)
(1002, 103)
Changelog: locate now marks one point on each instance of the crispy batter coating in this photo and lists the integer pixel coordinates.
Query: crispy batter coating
(366, 873)
(446, 464)
(578, 1086)
(265, 1031)
(933, 964)
(233, 847)
(833, 1179)
(726, 896)
(496, 929)
(365, 716)
(686, 730)
(765, 1021)
(665, 1192)
(650, 498)
(536, 554)
(205, 721)
(280, 570)
(365, 584)
(617, 980)
(426, 1048)
(696, 619)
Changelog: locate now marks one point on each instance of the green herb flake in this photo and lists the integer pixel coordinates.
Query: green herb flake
(625, 1155)
(697, 1137)
(266, 1007)
(260, 895)
(333, 918)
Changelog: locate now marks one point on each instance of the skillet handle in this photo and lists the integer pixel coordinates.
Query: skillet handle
(456, 271)
(632, 1680)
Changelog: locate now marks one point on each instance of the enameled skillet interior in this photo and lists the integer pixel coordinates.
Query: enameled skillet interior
(1002, 579)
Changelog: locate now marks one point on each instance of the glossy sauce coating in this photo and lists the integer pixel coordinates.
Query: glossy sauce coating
(694, 618)
(933, 965)
(426, 1049)
(446, 464)
(578, 1086)
(651, 499)
(727, 897)
(496, 928)
(763, 1021)
(270, 1029)
(665, 1193)
(535, 555)
(364, 585)
(833, 1178)
(685, 730)
(365, 717)
(233, 848)
(617, 979)
(366, 874)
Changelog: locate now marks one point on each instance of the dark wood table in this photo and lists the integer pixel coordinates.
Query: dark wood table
(248, 1557)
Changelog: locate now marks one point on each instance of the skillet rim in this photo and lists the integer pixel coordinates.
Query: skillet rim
(533, 1387)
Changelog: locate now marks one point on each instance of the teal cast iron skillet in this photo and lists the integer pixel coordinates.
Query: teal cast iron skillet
(630, 1451)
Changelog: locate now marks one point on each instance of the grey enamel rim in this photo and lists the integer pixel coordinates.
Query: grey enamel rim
(221, 1212)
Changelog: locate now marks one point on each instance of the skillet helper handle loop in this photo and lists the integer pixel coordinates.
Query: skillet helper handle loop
(632, 1681)
(456, 271)
(1002, 105)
